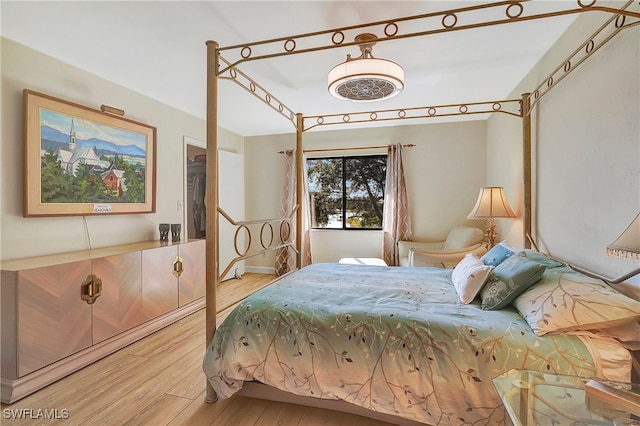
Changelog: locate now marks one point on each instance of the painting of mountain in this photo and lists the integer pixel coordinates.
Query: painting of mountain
(53, 139)
(81, 161)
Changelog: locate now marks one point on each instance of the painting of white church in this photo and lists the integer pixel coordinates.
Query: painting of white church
(94, 162)
(73, 156)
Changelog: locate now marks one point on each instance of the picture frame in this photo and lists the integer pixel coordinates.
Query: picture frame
(82, 161)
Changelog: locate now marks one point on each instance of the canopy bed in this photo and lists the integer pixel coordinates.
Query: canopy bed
(409, 382)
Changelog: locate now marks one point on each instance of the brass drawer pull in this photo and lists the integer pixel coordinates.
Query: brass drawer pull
(91, 289)
(178, 266)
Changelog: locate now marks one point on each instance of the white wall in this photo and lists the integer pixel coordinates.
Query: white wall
(586, 137)
(444, 173)
(23, 68)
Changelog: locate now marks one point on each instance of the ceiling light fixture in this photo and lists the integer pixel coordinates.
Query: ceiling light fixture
(366, 78)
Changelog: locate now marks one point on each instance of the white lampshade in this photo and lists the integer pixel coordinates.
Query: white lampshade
(627, 245)
(491, 203)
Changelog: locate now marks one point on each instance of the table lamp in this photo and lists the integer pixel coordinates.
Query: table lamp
(627, 245)
(491, 203)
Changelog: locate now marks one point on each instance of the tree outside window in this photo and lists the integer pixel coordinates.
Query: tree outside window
(347, 192)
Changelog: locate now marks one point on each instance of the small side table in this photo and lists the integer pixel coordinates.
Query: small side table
(535, 398)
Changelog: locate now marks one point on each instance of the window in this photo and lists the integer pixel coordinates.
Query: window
(347, 192)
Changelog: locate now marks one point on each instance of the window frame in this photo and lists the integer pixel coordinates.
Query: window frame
(344, 159)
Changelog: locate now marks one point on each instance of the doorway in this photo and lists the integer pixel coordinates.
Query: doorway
(231, 200)
(195, 167)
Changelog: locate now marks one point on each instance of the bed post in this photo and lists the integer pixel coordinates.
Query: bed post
(211, 199)
(299, 186)
(526, 167)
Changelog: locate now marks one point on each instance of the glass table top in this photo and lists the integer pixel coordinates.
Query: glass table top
(535, 398)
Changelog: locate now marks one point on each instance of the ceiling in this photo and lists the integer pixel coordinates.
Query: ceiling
(157, 48)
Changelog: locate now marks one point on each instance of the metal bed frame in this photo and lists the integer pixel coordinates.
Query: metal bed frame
(221, 68)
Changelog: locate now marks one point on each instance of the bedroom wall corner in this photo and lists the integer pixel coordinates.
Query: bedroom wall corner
(22, 68)
(505, 168)
(586, 137)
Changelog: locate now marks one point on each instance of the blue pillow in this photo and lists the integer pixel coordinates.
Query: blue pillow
(542, 259)
(496, 255)
(510, 279)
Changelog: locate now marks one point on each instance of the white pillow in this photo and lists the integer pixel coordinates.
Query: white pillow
(469, 276)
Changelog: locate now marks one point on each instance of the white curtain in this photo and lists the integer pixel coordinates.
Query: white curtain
(286, 257)
(396, 223)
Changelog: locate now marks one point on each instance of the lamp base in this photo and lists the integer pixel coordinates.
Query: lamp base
(492, 235)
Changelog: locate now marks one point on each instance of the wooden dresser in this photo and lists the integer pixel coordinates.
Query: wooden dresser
(62, 312)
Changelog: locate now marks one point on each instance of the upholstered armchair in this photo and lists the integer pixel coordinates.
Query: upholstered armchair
(460, 241)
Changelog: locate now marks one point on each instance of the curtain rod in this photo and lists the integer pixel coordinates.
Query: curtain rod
(410, 145)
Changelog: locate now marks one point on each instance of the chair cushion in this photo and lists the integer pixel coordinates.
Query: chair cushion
(463, 236)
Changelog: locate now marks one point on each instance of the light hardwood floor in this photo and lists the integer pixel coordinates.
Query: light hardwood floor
(159, 381)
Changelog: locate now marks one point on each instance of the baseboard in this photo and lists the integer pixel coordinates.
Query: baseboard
(260, 270)
(15, 389)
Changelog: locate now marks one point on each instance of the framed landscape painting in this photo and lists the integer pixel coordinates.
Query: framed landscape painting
(82, 161)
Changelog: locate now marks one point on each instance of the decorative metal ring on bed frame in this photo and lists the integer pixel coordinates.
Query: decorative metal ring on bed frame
(286, 227)
(583, 5)
(463, 109)
(235, 240)
(245, 52)
(262, 228)
(392, 33)
(497, 106)
(402, 113)
(432, 111)
(340, 40)
(589, 47)
(449, 15)
(289, 45)
(517, 14)
(620, 20)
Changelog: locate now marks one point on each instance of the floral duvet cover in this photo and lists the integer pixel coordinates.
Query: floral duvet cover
(391, 339)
